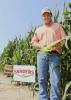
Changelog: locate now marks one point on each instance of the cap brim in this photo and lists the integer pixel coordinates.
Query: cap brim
(46, 12)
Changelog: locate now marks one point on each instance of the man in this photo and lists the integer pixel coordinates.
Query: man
(48, 33)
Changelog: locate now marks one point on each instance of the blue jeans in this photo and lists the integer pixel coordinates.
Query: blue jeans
(52, 63)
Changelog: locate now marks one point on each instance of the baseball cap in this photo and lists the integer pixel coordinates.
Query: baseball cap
(44, 10)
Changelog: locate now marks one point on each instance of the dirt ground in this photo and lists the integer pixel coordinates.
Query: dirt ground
(10, 91)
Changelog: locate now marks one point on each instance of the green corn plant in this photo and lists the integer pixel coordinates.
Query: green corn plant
(66, 89)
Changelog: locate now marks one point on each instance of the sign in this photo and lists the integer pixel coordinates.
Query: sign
(24, 73)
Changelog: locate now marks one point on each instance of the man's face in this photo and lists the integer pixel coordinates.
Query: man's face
(47, 18)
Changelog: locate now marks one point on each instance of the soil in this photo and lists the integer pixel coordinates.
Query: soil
(9, 91)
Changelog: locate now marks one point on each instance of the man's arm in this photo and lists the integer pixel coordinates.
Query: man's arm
(62, 37)
(35, 41)
(62, 32)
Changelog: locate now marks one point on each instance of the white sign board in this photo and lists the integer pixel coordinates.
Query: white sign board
(24, 73)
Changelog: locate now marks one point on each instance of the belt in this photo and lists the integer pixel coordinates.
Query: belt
(54, 52)
(51, 52)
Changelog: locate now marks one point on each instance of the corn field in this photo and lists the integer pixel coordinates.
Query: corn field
(19, 51)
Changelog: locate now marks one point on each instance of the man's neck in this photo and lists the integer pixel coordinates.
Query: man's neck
(49, 24)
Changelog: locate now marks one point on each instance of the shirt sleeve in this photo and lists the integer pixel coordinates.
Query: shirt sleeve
(35, 38)
(35, 41)
(62, 32)
(63, 35)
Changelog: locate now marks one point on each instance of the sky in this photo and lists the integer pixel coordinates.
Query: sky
(18, 16)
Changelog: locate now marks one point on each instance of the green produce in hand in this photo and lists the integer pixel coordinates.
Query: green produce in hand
(46, 49)
(50, 47)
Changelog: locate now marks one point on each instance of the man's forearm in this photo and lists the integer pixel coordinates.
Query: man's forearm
(36, 45)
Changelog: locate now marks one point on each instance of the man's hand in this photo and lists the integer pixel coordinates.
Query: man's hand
(53, 46)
